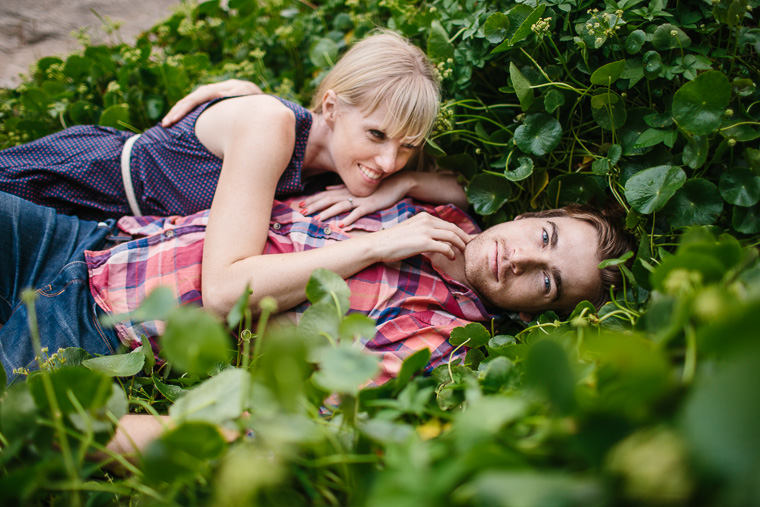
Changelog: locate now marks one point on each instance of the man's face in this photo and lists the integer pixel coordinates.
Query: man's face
(535, 264)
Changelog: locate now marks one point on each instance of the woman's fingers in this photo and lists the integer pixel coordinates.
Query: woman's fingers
(205, 93)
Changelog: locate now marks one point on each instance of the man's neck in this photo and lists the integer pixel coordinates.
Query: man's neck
(454, 269)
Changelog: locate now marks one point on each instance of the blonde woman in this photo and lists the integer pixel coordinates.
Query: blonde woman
(264, 145)
(370, 116)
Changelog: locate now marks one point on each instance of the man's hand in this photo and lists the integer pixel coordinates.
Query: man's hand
(207, 92)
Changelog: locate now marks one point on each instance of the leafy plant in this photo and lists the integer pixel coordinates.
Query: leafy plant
(649, 400)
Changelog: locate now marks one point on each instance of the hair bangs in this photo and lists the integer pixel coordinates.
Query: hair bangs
(411, 107)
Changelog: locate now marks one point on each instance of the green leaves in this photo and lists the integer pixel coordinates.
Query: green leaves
(698, 106)
(344, 369)
(496, 27)
(438, 45)
(323, 52)
(522, 87)
(740, 186)
(649, 190)
(539, 134)
(326, 286)
(194, 341)
(487, 193)
(608, 74)
(696, 203)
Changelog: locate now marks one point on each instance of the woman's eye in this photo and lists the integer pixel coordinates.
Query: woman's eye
(545, 237)
(410, 146)
(547, 284)
(377, 134)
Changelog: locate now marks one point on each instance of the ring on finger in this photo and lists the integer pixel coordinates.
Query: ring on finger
(351, 202)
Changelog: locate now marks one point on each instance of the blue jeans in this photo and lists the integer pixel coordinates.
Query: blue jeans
(45, 251)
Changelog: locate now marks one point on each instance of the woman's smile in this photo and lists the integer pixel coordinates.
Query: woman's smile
(370, 174)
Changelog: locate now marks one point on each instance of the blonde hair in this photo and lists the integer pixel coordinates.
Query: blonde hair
(386, 69)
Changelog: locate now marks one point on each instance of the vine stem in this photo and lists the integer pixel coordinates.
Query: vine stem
(690, 363)
(28, 297)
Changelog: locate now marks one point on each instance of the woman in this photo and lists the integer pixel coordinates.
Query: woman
(98, 172)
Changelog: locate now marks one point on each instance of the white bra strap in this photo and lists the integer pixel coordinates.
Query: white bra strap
(126, 175)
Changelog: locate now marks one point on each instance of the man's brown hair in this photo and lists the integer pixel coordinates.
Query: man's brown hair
(613, 240)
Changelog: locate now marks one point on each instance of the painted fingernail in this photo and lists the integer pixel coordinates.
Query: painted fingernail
(302, 204)
(304, 211)
(340, 225)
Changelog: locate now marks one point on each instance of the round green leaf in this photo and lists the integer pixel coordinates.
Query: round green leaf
(182, 452)
(652, 64)
(76, 67)
(114, 116)
(472, 335)
(698, 106)
(608, 109)
(83, 112)
(118, 365)
(649, 190)
(522, 171)
(696, 203)
(740, 187)
(608, 74)
(496, 27)
(746, 220)
(574, 188)
(216, 400)
(439, 47)
(552, 100)
(669, 36)
(194, 341)
(487, 193)
(344, 369)
(323, 53)
(324, 285)
(635, 41)
(539, 135)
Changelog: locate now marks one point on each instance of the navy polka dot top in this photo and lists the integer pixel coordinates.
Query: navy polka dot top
(78, 170)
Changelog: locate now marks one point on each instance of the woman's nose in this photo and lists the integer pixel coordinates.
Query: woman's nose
(388, 159)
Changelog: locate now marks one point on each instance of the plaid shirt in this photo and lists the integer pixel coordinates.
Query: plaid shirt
(414, 304)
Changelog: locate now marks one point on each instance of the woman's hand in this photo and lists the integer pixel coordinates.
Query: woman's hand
(435, 188)
(338, 199)
(205, 93)
(423, 233)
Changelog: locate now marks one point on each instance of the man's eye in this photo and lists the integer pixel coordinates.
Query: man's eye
(545, 237)
(377, 134)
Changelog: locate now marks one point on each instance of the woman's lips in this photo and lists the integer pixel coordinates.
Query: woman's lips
(370, 174)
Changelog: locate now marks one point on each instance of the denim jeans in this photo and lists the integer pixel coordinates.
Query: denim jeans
(45, 251)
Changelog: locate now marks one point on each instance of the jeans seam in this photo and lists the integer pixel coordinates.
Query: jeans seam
(99, 328)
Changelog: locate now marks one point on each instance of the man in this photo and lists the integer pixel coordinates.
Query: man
(83, 269)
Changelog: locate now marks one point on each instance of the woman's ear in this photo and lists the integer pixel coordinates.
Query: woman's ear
(329, 107)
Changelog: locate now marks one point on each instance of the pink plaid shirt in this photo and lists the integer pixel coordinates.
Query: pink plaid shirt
(414, 304)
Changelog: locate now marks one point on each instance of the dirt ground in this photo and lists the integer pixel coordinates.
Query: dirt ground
(32, 29)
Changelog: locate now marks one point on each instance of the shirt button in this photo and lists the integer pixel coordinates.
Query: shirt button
(169, 234)
(276, 226)
(328, 231)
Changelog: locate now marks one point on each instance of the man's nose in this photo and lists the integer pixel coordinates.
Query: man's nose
(523, 260)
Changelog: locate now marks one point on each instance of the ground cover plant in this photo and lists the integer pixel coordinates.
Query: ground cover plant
(650, 400)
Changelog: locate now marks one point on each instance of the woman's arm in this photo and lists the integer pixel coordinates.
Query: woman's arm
(255, 136)
(435, 188)
(204, 93)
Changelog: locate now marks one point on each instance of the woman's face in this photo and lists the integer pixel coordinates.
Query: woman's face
(362, 151)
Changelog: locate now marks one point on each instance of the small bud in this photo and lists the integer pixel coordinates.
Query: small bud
(732, 142)
(729, 112)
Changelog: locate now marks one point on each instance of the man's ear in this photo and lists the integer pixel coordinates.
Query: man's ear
(525, 316)
(330, 107)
